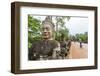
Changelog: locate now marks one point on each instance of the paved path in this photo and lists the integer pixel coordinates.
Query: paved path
(76, 52)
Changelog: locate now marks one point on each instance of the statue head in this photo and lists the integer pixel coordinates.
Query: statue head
(47, 28)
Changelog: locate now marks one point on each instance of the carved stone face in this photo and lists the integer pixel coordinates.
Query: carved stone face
(46, 31)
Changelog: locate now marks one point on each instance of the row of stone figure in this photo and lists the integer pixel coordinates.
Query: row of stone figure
(49, 50)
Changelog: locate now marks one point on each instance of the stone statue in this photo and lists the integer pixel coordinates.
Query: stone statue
(47, 48)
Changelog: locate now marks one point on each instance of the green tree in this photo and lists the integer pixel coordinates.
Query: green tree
(34, 32)
(60, 27)
(82, 36)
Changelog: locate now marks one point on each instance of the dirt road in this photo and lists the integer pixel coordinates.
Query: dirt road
(76, 52)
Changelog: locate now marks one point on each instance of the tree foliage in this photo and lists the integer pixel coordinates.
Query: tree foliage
(83, 37)
(61, 27)
(34, 31)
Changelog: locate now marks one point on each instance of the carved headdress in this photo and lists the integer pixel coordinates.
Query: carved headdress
(48, 20)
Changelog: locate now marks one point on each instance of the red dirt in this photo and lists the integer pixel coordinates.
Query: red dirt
(76, 52)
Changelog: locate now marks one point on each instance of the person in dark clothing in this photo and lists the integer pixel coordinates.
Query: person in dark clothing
(46, 48)
(80, 43)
